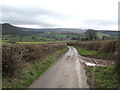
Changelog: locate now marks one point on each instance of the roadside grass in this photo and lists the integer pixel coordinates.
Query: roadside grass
(94, 54)
(103, 55)
(85, 52)
(102, 77)
(31, 71)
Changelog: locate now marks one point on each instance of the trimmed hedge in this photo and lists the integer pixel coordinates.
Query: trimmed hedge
(15, 55)
(108, 46)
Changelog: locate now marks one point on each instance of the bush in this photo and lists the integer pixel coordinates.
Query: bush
(109, 46)
(14, 55)
(106, 46)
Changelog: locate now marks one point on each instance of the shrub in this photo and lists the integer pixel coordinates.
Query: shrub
(14, 55)
(108, 46)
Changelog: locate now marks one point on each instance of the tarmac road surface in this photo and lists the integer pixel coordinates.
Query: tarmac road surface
(67, 72)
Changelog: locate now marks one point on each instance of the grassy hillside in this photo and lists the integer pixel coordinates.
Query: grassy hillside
(102, 34)
(46, 36)
(8, 29)
(12, 34)
(64, 33)
(113, 33)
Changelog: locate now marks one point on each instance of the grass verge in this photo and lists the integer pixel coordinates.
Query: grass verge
(94, 54)
(102, 77)
(85, 52)
(31, 71)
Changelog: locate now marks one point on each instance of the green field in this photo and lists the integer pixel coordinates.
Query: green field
(102, 34)
(48, 37)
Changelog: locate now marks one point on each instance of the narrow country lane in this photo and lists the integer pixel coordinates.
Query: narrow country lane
(67, 72)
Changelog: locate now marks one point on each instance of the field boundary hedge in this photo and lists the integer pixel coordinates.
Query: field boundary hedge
(15, 55)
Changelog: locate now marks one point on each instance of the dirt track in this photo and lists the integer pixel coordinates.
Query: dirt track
(67, 72)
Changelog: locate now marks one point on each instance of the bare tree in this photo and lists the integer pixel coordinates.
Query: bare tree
(91, 34)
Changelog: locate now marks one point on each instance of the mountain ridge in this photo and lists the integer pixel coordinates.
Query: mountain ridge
(19, 31)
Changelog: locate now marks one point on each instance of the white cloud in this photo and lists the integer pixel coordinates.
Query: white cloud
(96, 14)
(28, 26)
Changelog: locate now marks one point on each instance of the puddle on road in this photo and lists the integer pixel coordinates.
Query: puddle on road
(90, 64)
(94, 62)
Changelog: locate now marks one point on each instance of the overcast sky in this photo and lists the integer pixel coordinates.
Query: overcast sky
(84, 14)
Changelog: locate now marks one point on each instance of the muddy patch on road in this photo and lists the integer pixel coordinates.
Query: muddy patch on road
(96, 62)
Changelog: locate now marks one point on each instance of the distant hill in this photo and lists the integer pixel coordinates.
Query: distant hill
(57, 30)
(74, 30)
(111, 33)
(8, 29)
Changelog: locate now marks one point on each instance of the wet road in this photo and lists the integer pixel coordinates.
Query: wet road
(67, 72)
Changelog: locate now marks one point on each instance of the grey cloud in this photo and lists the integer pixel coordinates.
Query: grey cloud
(32, 11)
(26, 21)
(27, 16)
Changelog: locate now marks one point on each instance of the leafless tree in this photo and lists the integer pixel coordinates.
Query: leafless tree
(91, 34)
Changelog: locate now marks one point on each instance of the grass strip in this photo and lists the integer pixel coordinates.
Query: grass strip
(104, 77)
(94, 54)
(85, 52)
